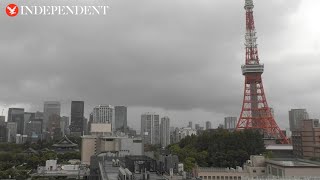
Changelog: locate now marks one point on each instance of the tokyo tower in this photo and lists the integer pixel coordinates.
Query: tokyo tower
(255, 113)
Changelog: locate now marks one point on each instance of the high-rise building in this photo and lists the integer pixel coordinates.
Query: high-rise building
(2, 120)
(197, 126)
(190, 124)
(208, 125)
(296, 116)
(50, 108)
(3, 129)
(28, 116)
(53, 128)
(90, 122)
(150, 130)
(120, 118)
(230, 123)
(77, 112)
(64, 125)
(17, 115)
(85, 126)
(104, 114)
(306, 139)
(34, 129)
(165, 131)
(12, 131)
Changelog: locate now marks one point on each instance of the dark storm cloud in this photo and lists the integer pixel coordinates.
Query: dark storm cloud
(175, 55)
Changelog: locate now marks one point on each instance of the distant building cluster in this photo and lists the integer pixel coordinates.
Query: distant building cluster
(48, 124)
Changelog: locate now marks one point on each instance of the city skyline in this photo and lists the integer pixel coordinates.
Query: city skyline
(183, 83)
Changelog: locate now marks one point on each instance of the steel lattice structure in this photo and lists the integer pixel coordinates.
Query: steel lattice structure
(255, 113)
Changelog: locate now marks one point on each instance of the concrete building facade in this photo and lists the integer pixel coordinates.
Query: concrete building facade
(104, 114)
(165, 131)
(51, 110)
(117, 146)
(77, 113)
(180, 133)
(230, 123)
(208, 125)
(255, 168)
(306, 140)
(64, 125)
(34, 129)
(150, 128)
(292, 168)
(12, 131)
(3, 129)
(17, 115)
(120, 118)
(296, 116)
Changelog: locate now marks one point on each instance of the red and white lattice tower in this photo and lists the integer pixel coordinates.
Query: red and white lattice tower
(255, 113)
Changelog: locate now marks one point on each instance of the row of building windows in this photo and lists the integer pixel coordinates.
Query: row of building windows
(221, 177)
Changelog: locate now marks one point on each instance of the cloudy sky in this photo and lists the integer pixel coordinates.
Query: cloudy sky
(180, 58)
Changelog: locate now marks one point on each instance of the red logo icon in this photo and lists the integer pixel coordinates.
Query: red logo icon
(12, 10)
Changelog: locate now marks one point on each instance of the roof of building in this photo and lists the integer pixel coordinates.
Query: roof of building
(30, 151)
(293, 163)
(65, 142)
(284, 147)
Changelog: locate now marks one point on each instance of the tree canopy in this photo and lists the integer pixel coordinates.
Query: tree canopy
(219, 148)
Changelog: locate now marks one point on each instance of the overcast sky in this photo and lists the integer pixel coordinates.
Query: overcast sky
(180, 58)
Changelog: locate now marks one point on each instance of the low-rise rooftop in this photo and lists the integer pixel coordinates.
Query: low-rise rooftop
(293, 163)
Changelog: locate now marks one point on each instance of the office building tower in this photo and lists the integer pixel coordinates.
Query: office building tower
(197, 126)
(53, 128)
(28, 116)
(150, 130)
(50, 108)
(103, 120)
(2, 120)
(190, 124)
(296, 116)
(3, 129)
(120, 118)
(104, 114)
(64, 125)
(208, 125)
(85, 126)
(90, 122)
(230, 123)
(165, 131)
(11, 131)
(34, 129)
(77, 112)
(17, 115)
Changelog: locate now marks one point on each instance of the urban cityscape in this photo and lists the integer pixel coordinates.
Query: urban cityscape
(103, 142)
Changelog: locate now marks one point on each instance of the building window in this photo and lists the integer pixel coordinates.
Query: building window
(263, 171)
(254, 171)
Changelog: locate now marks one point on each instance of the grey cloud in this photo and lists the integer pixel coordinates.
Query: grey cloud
(174, 55)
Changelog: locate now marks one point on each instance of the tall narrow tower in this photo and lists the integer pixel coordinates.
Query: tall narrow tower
(255, 113)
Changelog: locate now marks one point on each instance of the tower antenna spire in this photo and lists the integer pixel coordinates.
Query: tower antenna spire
(255, 113)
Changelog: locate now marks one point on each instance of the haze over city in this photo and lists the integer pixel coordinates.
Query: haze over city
(178, 58)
